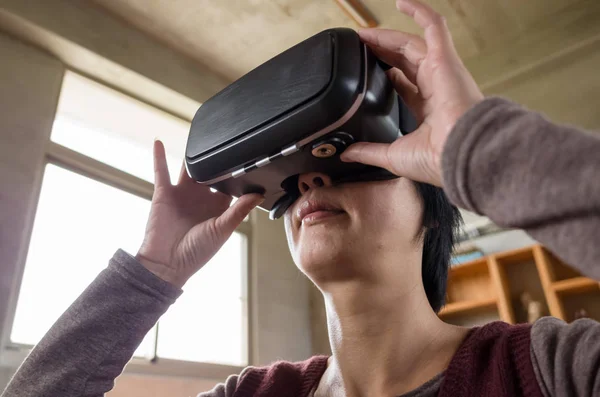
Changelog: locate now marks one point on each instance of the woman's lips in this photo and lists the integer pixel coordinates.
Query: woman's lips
(319, 216)
(311, 211)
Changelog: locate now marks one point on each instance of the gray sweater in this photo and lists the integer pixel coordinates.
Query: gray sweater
(500, 160)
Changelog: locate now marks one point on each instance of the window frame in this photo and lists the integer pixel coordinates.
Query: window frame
(13, 354)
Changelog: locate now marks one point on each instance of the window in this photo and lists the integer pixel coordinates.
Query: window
(95, 199)
(79, 224)
(115, 129)
(215, 296)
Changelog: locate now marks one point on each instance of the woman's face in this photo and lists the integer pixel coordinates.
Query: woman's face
(349, 230)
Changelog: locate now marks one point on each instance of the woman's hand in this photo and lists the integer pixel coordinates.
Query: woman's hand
(188, 223)
(430, 77)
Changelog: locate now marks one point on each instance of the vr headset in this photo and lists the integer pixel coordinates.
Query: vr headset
(295, 114)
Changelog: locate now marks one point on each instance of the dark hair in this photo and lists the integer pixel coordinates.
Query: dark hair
(441, 222)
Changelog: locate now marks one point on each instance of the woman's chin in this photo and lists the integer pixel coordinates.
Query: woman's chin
(324, 261)
(324, 249)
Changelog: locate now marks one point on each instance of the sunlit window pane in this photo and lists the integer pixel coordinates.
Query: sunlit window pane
(79, 225)
(209, 323)
(81, 222)
(116, 129)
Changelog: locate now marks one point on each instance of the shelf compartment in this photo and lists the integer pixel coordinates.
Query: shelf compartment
(469, 288)
(467, 306)
(588, 301)
(519, 274)
(575, 285)
(475, 266)
(516, 256)
(558, 269)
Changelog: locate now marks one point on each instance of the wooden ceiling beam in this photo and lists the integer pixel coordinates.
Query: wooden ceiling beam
(357, 11)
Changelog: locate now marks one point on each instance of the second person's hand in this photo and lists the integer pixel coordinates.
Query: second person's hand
(188, 223)
(430, 77)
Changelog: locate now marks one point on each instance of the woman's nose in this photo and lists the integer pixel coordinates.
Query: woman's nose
(312, 180)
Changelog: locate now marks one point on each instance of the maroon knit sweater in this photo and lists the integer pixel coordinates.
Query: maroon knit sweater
(493, 361)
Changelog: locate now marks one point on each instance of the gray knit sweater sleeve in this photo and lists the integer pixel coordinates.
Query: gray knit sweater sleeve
(566, 357)
(90, 344)
(523, 171)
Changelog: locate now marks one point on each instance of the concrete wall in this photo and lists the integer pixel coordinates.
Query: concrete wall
(30, 82)
(281, 293)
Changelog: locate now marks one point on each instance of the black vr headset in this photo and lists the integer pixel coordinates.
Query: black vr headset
(295, 114)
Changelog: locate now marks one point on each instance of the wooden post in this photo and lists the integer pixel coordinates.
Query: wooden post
(546, 273)
(498, 276)
(358, 13)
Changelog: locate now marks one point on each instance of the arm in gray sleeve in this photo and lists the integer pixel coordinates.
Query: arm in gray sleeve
(523, 171)
(566, 357)
(90, 344)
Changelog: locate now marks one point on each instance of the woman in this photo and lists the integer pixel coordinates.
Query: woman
(378, 251)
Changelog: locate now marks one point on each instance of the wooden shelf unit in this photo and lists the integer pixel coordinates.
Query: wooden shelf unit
(494, 283)
(471, 291)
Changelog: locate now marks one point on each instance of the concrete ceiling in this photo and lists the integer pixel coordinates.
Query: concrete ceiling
(234, 36)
